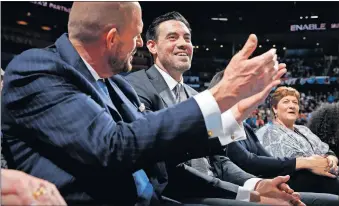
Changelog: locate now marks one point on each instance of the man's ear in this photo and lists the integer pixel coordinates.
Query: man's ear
(111, 38)
(152, 47)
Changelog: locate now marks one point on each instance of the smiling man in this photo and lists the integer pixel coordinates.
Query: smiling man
(169, 41)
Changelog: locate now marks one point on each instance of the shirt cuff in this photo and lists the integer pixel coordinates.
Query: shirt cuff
(231, 126)
(243, 194)
(250, 184)
(224, 126)
(211, 113)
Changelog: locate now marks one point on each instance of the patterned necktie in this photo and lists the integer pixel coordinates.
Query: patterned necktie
(143, 185)
(179, 92)
(200, 164)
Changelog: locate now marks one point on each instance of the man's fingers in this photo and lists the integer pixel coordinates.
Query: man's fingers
(285, 196)
(16, 200)
(266, 58)
(276, 81)
(301, 203)
(284, 187)
(249, 47)
(297, 203)
(269, 88)
(327, 174)
(296, 195)
(10, 200)
(279, 74)
(280, 179)
(281, 66)
(254, 196)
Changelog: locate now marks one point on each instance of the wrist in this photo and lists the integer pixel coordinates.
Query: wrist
(254, 196)
(302, 163)
(257, 185)
(224, 98)
(238, 116)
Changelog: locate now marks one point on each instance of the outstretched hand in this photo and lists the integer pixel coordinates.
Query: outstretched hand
(243, 108)
(244, 77)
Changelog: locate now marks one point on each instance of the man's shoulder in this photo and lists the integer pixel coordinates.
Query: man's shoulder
(139, 79)
(137, 75)
(140, 82)
(35, 59)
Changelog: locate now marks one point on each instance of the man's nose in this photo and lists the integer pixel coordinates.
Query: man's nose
(140, 42)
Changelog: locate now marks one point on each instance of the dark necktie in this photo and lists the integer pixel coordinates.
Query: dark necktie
(200, 164)
(143, 185)
(102, 85)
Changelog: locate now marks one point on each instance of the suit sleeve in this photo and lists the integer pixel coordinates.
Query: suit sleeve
(196, 184)
(264, 166)
(46, 99)
(226, 170)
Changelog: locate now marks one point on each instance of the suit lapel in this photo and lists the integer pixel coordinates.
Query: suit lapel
(160, 85)
(188, 92)
(71, 56)
(129, 111)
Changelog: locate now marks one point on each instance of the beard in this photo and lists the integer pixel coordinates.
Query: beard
(178, 66)
(120, 64)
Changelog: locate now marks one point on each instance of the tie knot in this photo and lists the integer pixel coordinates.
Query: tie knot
(101, 83)
(177, 88)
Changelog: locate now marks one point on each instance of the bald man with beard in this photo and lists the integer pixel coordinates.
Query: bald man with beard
(69, 118)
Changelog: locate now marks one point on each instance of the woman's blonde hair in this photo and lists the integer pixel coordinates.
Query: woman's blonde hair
(280, 93)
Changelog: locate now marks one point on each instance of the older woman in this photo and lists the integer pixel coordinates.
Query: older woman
(285, 139)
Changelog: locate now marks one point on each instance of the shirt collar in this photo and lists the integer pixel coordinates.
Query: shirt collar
(171, 83)
(91, 70)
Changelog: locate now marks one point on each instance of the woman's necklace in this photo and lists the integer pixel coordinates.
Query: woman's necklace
(297, 132)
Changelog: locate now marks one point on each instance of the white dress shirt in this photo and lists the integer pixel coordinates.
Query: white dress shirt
(222, 125)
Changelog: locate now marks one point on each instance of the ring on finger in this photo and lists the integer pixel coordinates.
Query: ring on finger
(39, 192)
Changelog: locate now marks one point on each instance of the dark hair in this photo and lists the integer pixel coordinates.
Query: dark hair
(216, 79)
(324, 122)
(152, 33)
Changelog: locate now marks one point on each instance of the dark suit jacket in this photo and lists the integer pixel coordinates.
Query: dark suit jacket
(253, 158)
(155, 94)
(60, 127)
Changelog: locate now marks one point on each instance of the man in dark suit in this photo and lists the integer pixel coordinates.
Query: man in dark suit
(168, 40)
(161, 86)
(69, 118)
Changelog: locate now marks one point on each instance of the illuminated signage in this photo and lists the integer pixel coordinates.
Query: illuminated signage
(314, 27)
(335, 26)
(308, 27)
(52, 6)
